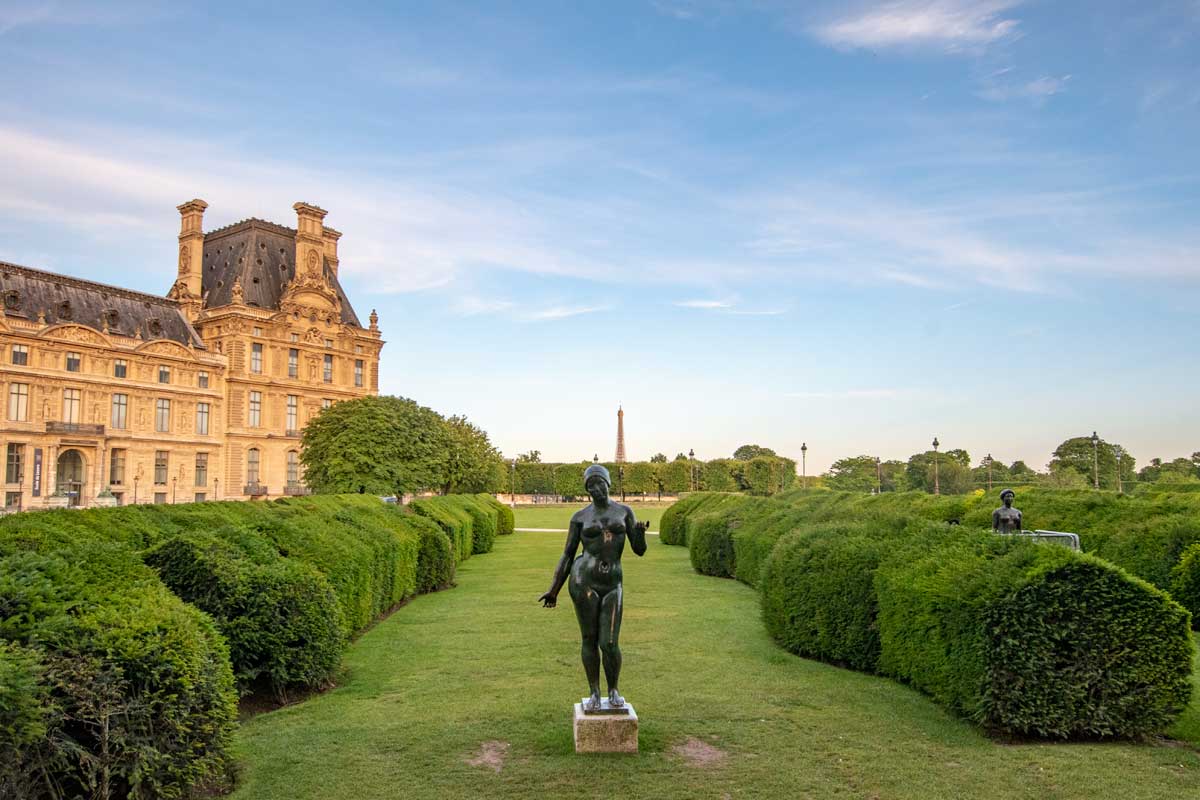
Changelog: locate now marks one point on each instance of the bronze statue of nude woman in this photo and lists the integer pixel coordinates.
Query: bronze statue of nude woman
(595, 580)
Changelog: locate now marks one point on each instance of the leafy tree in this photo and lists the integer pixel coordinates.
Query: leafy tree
(680, 457)
(1077, 454)
(998, 472)
(381, 445)
(953, 477)
(958, 455)
(749, 451)
(658, 458)
(953, 471)
(716, 476)
(641, 477)
(1062, 476)
(568, 479)
(470, 458)
(853, 474)
(1020, 471)
(676, 476)
(532, 457)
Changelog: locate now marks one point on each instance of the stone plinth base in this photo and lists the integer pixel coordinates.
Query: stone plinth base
(610, 731)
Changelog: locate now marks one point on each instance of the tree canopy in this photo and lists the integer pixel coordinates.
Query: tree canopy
(749, 451)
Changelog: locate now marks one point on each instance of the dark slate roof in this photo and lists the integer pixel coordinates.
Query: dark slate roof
(263, 255)
(27, 292)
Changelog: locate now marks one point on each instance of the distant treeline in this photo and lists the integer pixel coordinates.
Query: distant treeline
(762, 475)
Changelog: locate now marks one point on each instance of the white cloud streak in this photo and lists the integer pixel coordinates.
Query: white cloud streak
(704, 304)
(562, 312)
(946, 25)
(849, 394)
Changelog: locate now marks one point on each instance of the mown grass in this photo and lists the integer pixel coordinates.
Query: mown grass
(483, 662)
(559, 514)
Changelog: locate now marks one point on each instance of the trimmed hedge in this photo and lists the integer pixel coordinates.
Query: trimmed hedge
(90, 632)
(109, 650)
(1024, 638)
(1185, 581)
(1034, 640)
(818, 595)
(455, 521)
(281, 618)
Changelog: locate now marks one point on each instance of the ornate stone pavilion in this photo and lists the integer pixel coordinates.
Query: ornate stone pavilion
(114, 396)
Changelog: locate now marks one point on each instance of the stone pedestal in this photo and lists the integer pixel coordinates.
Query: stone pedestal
(611, 730)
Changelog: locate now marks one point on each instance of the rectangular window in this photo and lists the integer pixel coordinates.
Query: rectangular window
(257, 331)
(120, 410)
(160, 498)
(202, 379)
(116, 467)
(20, 354)
(329, 344)
(293, 468)
(328, 368)
(120, 368)
(201, 469)
(14, 471)
(160, 466)
(202, 419)
(255, 409)
(293, 406)
(18, 402)
(293, 363)
(293, 338)
(326, 402)
(358, 372)
(256, 357)
(164, 374)
(12, 501)
(358, 349)
(252, 464)
(72, 402)
(200, 497)
(162, 415)
(73, 360)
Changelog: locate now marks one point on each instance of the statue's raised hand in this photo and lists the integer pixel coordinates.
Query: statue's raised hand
(548, 600)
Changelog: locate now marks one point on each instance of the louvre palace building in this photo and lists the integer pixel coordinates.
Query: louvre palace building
(114, 396)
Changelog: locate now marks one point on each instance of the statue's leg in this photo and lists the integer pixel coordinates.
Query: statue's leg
(587, 611)
(610, 634)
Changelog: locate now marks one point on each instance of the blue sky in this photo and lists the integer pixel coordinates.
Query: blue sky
(857, 224)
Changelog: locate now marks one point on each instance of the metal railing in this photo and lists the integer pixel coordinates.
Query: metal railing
(255, 490)
(1062, 538)
(296, 490)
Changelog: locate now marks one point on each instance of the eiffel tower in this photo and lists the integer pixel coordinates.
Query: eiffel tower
(620, 436)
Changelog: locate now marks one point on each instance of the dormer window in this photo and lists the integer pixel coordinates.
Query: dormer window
(64, 309)
(12, 299)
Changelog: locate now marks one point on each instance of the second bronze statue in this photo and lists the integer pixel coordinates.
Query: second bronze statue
(595, 580)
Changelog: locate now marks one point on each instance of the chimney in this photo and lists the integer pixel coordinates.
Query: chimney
(191, 245)
(310, 238)
(331, 239)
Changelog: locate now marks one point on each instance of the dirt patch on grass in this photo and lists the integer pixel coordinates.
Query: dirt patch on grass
(491, 755)
(699, 754)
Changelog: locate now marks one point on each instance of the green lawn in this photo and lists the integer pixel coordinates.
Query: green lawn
(483, 663)
(559, 514)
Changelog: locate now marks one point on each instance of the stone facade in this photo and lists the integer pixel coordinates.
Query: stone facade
(198, 395)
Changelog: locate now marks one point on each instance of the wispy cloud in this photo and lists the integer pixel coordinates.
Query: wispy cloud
(947, 25)
(472, 305)
(562, 312)
(705, 304)
(1037, 90)
(849, 394)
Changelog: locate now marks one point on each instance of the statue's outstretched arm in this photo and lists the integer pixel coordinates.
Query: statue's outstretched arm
(637, 533)
(563, 568)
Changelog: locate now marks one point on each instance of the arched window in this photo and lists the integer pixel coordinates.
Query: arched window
(252, 464)
(293, 468)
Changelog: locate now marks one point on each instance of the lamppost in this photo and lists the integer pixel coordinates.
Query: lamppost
(692, 468)
(804, 465)
(937, 487)
(135, 483)
(621, 478)
(596, 458)
(512, 486)
(988, 462)
(216, 488)
(173, 480)
(878, 477)
(1095, 461)
(1119, 452)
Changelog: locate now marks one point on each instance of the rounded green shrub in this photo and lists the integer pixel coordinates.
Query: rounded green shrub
(281, 619)
(1034, 640)
(1185, 582)
(710, 545)
(435, 559)
(818, 595)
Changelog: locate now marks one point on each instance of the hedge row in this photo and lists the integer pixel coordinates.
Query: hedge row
(284, 583)
(109, 684)
(1024, 638)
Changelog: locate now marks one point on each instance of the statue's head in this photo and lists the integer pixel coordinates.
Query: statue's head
(1006, 496)
(596, 482)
